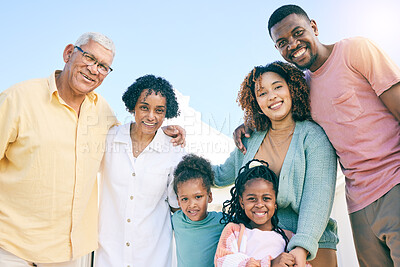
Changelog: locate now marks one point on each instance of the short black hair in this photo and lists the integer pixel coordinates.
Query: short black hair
(158, 85)
(283, 12)
(194, 167)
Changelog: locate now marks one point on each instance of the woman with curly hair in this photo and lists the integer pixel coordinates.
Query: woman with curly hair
(275, 100)
(137, 180)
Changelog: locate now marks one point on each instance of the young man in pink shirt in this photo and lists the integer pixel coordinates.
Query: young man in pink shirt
(355, 97)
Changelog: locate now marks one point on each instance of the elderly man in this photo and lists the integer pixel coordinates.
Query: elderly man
(51, 146)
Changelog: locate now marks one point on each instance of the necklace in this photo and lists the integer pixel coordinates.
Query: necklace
(279, 137)
(138, 145)
(136, 151)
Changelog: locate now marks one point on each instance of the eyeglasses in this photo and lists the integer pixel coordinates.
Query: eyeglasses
(90, 60)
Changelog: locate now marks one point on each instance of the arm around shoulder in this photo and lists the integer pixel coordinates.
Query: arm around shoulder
(225, 173)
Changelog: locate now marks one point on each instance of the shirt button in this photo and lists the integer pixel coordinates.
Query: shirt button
(128, 244)
(131, 197)
(133, 174)
(129, 220)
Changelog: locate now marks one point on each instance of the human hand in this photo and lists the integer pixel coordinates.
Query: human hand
(300, 255)
(253, 263)
(283, 260)
(240, 132)
(177, 133)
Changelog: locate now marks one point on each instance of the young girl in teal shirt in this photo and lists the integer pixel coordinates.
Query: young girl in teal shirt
(196, 230)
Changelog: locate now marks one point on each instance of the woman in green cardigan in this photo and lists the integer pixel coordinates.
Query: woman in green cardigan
(275, 100)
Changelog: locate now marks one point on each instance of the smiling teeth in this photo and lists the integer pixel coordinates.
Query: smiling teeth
(275, 105)
(299, 52)
(149, 124)
(87, 77)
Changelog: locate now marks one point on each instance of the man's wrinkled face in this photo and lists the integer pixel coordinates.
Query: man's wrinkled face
(82, 78)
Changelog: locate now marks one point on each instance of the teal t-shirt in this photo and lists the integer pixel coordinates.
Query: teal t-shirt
(196, 242)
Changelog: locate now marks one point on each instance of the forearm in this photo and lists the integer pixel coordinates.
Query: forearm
(391, 99)
(225, 173)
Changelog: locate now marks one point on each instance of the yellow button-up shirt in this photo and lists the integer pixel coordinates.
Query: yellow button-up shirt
(49, 159)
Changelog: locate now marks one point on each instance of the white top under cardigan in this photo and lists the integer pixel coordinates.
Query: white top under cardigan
(135, 221)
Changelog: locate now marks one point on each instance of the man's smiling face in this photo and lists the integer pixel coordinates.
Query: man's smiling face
(296, 40)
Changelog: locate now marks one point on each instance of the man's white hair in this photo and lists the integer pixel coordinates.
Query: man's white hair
(100, 38)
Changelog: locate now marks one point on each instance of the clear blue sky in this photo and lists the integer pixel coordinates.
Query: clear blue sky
(204, 48)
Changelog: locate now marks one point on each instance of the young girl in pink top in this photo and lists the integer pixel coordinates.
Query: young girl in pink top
(252, 236)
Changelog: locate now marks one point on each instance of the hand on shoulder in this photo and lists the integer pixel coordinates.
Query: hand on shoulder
(177, 133)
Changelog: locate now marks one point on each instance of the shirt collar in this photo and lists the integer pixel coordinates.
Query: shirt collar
(123, 134)
(92, 96)
(160, 142)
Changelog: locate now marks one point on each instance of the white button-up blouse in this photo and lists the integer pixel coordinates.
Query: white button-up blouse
(135, 199)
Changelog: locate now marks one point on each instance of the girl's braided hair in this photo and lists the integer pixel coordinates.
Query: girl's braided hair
(233, 211)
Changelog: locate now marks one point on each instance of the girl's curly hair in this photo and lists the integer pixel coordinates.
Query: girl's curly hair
(299, 91)
(158, 85)
(194, 167)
